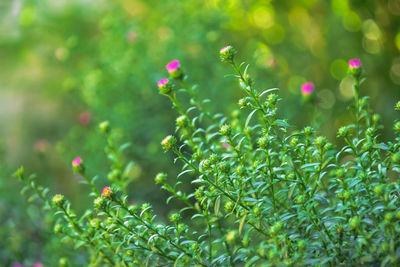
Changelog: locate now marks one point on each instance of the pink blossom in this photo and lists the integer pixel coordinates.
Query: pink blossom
(85, 118)
(226, 145)
(76, 162)
(162, 82)
(224, 49)
(38, 264)
(307, 88)
(173, 65)
(354, 63)
(106, 192)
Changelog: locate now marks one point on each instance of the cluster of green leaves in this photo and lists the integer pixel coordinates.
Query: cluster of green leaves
(260, 192)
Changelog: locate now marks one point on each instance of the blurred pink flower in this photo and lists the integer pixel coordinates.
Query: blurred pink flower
(85, 118)
(41, 145)
(76, 162)
(162, 82)
(38, 264)
(173, 65)
(307, 88)
(354, 63)
(224, 49)
(226, 145)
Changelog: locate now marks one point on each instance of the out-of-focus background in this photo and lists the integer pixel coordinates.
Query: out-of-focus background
(67, 65)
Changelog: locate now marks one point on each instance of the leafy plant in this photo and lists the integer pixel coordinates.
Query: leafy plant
(253, 190)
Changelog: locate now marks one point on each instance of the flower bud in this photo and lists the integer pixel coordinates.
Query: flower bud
(182, 121)
(389, 217)
(77, 165)
(355, 222)
(343, 131)
(105, 127)
(263, 142)
(160, 178)
(225, 167)
(229, 205)
(396, 158)
(58, 228)
(231, 237)
(168, 142)
(63, 262)
(379, 189)
(355, 67)
(174, 217)
(320, 141)
(397, 126)
(164, 86)
(307, 89)
(95, 223)
(227, 54)
(243, 102)
(59, 200)
(308, 130)
(397, 107)
(174, 69)
(226, 130)
(100, 203)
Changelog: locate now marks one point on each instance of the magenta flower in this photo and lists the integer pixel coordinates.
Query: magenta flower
(76, 162)
(354, 63)
(307, 88)
(162, 82)
(38, 264)
(106, 192)
(85, 118)
(226, 145)
(173, 65)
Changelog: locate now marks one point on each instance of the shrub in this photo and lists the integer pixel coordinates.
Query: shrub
(253, 193)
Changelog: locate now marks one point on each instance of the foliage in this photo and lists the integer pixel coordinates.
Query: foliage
(253, 193)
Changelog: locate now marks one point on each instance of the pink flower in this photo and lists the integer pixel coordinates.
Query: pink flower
(226, 145)
(224, 49)
(173, 65)
(38, 264)
(85, 118)
(41, 145)
(162, 82)
(106, 192)
(76, 162)
(307, 88)
(354, 63)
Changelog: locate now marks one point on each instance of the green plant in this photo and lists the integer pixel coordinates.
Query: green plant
(253, 190)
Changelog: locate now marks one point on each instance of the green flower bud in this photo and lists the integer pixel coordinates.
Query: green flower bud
(243, 102)
(308, 130)
(168, 142)
(370, 131)
(263, 142)
(389, 217)
(379, 189)
(229, 205)
(376, 118)
(227, 54)
(272, 99)
(58, 228)
(397, 106)
(396, 158)
(214, 158)
(300, 199)
(343, 131)
(225, 167)
(346, 195)
(161, 178)
(194, 246)
(182, 121)
(340, 172)
(63, 262)
(397, 126)
(320, 141)
(100, 203)
(105, 127)
(174, 217)
(294, 141)
(226, 130)
(95, 223)
(59, 200)
(231, 237)
(355, 222)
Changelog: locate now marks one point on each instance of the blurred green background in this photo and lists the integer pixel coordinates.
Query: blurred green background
(65, 66)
